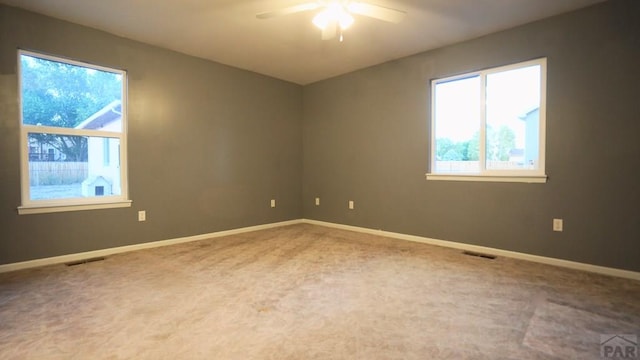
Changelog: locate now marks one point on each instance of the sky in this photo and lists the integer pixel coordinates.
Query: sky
(509, 94)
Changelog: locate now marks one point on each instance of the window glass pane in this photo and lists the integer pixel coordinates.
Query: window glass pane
(457, 125)
(69, 96)
(512, 115)
(66, 167)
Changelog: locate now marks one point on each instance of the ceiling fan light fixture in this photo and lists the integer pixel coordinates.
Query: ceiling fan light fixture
(334, 12)
(336, 16)
(321, 20)
(345, 20)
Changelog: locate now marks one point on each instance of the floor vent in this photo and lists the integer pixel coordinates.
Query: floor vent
(84, 261)
(486, 256)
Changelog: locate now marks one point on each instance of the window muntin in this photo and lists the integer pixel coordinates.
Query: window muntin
(73, 133)
(490, 123)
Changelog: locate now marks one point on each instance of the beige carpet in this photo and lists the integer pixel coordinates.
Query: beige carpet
(309, 292)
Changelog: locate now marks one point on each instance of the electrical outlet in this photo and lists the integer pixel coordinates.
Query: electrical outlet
(273, 202)
(557, 224)
(317, 201)
(142, 215)
(351, 204)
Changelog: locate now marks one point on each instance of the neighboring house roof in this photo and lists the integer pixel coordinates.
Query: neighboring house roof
(103, 117)
(527, 114)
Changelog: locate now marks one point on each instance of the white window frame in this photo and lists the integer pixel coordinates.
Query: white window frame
(520, 175)
(29, 206)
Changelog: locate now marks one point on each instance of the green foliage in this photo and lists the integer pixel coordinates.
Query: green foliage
(499, 144)
(447, 150)
(473, 154)
(63, 95)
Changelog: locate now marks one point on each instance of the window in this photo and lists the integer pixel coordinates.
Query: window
(490, 125)
(73, 135)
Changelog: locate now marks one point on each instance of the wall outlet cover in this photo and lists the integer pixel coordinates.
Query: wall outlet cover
(557, 224)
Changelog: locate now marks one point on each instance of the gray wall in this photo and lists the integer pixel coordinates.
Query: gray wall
(209, 145)
(366, 139)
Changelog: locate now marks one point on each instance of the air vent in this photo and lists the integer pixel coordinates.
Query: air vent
(476, 254)
(84, 261)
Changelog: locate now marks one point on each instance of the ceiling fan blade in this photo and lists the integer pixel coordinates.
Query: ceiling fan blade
(377, 12)
(288, 10)
(330, 31)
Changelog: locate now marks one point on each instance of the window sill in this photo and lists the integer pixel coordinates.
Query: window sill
(537, 179)
(42, 209)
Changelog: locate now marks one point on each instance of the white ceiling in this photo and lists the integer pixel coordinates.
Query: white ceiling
(290, 47)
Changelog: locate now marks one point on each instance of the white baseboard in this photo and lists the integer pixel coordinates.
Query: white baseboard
(450, 244)
(106, 252)
(487, 250)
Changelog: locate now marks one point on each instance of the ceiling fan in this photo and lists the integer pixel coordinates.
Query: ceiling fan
(337, 15)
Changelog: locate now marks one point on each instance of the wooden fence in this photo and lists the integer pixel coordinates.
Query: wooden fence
(57, 172)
